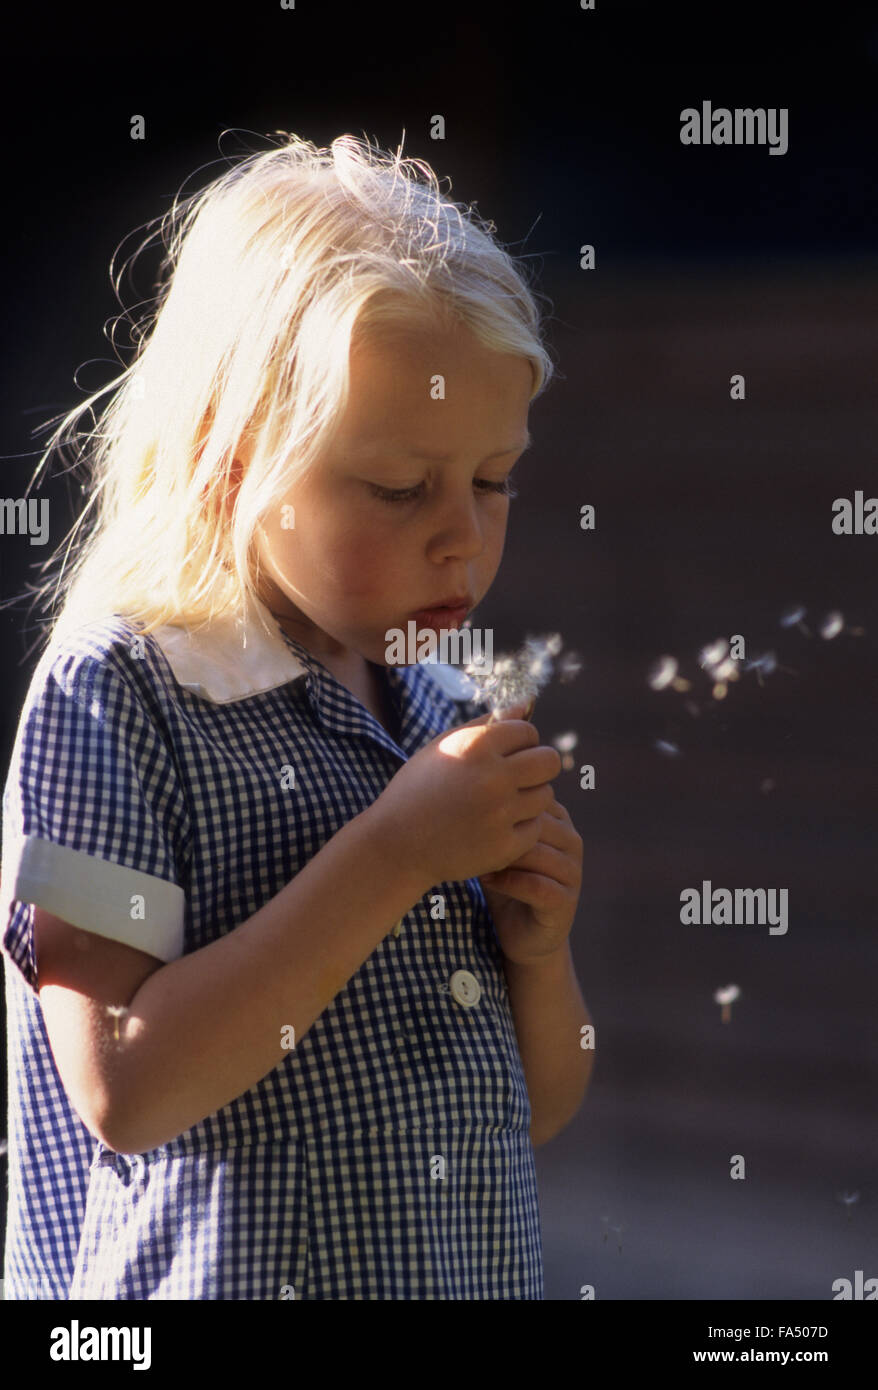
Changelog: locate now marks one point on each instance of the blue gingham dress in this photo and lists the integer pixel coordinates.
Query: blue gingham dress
(388, 1156)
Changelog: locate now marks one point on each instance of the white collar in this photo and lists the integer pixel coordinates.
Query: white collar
(234, 658)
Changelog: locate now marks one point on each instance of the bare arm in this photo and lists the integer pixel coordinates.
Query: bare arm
(550, 1014)
(204, 1029)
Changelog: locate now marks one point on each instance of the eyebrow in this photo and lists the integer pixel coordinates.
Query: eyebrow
(447, 458)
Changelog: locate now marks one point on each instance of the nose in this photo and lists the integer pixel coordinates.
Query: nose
(459, 531)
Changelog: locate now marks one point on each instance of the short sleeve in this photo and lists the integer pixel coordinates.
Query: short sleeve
(94, 815)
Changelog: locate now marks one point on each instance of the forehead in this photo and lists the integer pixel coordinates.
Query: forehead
(415, 383)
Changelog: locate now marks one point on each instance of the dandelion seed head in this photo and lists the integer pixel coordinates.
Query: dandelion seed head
(517, 678)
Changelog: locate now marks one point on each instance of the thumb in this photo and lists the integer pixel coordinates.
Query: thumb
(520, 710)
(474, 723)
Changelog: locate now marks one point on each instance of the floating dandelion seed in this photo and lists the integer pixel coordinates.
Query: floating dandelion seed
(792, 617)
(668, 750)
(565, 743)
(763, 665)
(727, 670)
(713, 654)
(766, 665)
(569, 667)
(849, 1198)
(720, 666)
(116, 1011)
(662, 673)
(834, 623)
(724, 672)
(727, 996)
(605, 1222)
(767, 785)
(516, 679)
(4, 1145)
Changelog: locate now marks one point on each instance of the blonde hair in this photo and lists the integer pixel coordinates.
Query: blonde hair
(268, 271)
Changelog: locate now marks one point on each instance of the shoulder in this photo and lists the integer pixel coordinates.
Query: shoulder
(108, 651)
(106, 668)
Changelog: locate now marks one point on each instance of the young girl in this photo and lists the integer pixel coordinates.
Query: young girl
(266, 1040)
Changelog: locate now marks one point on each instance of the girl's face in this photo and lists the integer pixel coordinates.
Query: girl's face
(354, 564)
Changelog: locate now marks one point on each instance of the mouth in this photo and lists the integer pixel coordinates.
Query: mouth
(449, 613)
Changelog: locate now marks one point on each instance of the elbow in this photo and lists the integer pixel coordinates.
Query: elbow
(122, 1138)
(114, 1144)
(115, 1131)
(539, 1137)
(134, 1130)
(98, 1119)
(109, 1133)
(544, 1135)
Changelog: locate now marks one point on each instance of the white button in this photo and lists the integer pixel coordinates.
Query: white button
(465, 988)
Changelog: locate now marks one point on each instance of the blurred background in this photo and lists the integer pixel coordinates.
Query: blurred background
(713, 518)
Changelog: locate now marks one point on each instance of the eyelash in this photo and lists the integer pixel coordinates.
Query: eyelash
(504, 489)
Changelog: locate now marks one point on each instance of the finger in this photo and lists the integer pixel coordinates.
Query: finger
(545, 860)
(535, 889)
(538, 765)
(557, 829)
(560, 816)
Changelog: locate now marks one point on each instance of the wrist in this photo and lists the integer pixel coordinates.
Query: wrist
(394, 852)
(552, 964)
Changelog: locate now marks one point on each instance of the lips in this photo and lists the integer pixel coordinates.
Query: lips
(441, 617)
(448, 612)
(454, 602)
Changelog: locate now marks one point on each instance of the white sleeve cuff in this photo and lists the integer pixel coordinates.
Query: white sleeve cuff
(95, 894)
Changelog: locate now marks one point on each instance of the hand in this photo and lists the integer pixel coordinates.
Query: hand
(470, 800)
(533, 900)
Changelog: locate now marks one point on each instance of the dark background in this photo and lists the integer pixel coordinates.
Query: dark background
(713, 516)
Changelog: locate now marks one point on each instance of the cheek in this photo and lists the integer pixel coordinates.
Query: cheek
(364, 567)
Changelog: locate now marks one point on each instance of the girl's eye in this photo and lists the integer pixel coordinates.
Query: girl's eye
(505, 489)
